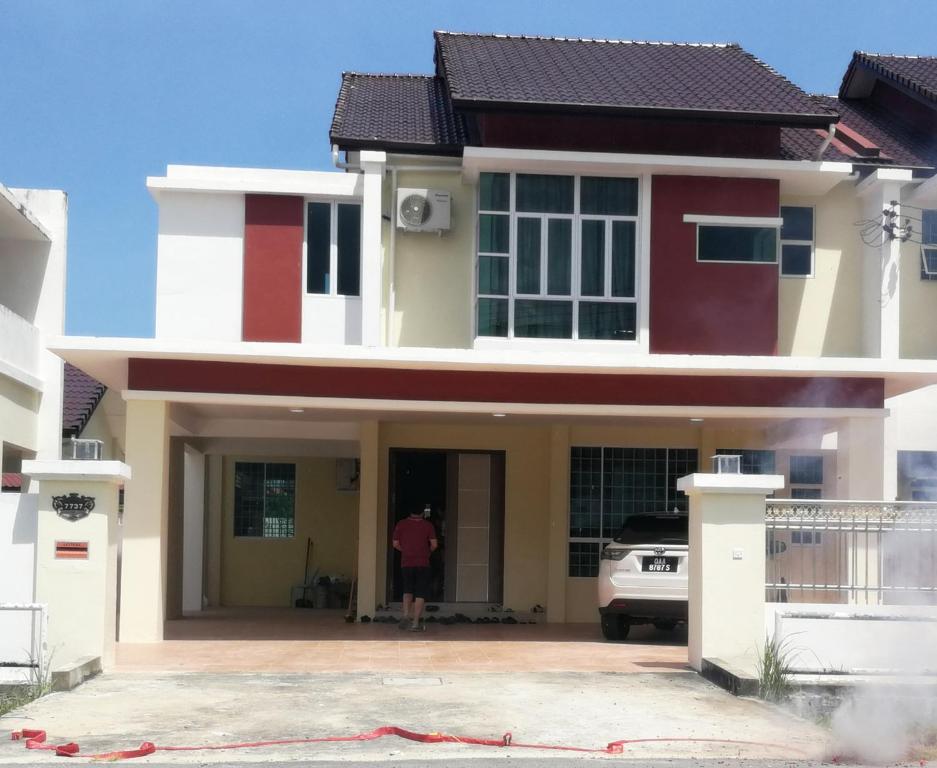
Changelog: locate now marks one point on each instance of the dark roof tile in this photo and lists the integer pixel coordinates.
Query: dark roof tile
(899, 141)
(396, 111)
(915, 73)
(81, 395)
(619, 76)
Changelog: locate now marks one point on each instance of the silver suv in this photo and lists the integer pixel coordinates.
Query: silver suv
(643, 574)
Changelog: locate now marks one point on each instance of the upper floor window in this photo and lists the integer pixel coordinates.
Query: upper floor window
(929, 245)
(805, 477)
(797, 238)
(333, 248)
(557, 256)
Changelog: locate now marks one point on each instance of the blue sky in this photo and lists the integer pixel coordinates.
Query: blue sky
(99, 94)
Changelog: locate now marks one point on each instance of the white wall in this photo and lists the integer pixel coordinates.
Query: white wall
(193, 522)
(18, 529)
(331, 319)
(199, 276)
(905, 644)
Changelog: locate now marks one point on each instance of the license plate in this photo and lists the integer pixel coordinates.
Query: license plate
(659, 564)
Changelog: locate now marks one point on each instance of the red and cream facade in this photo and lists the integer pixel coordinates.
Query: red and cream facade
(299, 330)
(247, 367)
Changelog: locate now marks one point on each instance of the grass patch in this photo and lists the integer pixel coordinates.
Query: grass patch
(37, 684)
(774, 670)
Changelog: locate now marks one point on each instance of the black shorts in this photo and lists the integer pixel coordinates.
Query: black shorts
(416, 581)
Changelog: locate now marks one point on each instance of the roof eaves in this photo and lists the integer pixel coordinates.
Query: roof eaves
(778, 118)
(875, 63)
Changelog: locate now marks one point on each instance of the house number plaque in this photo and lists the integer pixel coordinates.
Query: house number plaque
(73, 507)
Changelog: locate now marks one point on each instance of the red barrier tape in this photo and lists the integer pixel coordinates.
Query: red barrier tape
(36, 739)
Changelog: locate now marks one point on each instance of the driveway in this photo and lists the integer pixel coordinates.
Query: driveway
(585, 709)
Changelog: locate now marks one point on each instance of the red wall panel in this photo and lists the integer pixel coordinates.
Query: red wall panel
(273, 270)
(707, 307)
(502, 386)
(604, 133)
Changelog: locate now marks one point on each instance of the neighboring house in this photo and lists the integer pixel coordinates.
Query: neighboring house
(33, 226)
(555, 276)
(92, 418)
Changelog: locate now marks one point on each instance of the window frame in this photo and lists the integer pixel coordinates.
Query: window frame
(736, 222)
(926, 274)
(333, 204)
(603, 539)
(575, 296)
(812, 243)
(261, 536)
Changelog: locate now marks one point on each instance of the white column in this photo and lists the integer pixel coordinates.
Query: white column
(860, 458)
(727, 565)
(76, 556)
(372, 253)
(559, 524)
(193, 527)
(368, 490)
(146, 521)
(880, 268)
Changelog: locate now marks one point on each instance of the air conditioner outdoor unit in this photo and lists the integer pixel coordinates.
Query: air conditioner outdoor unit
(82, 449)
(423, 210)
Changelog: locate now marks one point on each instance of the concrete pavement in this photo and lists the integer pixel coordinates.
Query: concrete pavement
(588, 709)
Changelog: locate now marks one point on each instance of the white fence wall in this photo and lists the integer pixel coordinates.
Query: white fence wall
(899, 639)
(18, 527)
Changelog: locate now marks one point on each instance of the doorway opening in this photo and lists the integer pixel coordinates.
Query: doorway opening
(462, 494)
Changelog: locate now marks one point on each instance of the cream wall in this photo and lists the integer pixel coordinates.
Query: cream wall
(530, 494)
(918, 307)
(526, 502)
(19, 406)
(821, 315)
(260, 572)
(434, 273)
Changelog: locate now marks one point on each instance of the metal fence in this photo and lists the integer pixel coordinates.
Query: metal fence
(34, 645)
(851, 552)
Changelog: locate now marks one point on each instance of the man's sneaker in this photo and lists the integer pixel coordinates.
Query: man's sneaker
(404, 624)
(417, 626)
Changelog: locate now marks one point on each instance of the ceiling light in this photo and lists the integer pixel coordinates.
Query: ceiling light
(696, 419)
(499, 415)
(297, 410)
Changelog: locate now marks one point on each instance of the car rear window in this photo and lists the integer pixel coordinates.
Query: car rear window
(655, 529)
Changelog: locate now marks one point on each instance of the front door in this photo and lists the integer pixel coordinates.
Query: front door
(463, 492)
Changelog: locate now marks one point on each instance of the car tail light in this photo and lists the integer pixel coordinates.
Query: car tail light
(614, 554)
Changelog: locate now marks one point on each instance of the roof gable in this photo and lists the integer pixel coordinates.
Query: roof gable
(482, 71)
(914, 74)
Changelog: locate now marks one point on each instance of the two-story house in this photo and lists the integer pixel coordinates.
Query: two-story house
(33, 226)
(542, 284)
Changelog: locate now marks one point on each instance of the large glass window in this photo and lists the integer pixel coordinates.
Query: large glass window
(718, 242)
(264, 500)
(333, 248)
(557, 257)
(797, 241)
(608, 484)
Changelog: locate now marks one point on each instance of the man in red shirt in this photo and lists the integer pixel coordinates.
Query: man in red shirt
(414, 537)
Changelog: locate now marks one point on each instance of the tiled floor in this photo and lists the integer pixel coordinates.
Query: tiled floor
(290, 640)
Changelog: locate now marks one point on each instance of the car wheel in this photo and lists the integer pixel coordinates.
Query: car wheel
(665, 626)
(615, 627)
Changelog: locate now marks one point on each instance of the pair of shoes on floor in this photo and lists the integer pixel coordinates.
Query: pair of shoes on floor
(404, 624)
(418, 626)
